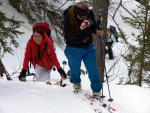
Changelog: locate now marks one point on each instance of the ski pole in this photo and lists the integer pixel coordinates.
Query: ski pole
(100, 38)
(102, 96)
(110, 99)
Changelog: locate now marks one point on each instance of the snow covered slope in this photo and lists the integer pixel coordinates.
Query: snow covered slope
(36, 97)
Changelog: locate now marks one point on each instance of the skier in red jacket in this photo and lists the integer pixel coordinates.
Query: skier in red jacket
(40, 51)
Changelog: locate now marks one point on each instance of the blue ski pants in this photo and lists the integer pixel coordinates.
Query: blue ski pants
(88, 55)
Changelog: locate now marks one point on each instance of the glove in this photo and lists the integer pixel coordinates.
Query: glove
(54, 69)
(22, 76)
(62, 73)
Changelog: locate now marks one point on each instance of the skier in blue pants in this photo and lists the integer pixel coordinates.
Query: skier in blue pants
(78, 37)
(75, 56)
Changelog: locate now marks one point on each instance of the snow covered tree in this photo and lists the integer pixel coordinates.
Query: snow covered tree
(8, 35)
(43, 10)
(100, 8)
(16, 4)
(9, 32)
(139, 58)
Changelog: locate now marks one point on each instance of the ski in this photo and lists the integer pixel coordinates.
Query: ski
(91, 104)
(55, 83)
(101, 103)
(58, 82)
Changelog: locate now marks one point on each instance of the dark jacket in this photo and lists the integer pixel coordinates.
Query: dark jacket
(79, 38)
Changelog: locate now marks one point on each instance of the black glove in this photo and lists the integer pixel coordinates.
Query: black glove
(22, 76)
(54, 69)
(62, 73)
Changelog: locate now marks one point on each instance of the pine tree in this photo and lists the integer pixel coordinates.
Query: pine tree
(8, 35)
(8, 32)
(139, 58)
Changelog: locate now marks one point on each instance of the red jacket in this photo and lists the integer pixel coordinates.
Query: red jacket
(47, 50)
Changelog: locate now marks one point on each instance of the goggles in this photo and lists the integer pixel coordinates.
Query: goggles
(81, 12)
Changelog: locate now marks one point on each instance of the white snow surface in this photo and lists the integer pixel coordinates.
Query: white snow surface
(37, 97)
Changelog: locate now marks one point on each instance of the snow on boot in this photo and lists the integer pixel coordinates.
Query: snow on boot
(77, 88)
(96, 95)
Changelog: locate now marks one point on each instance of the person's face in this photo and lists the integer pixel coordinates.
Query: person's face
(82, 17)
(37, 38)
(81, 13)
(108, 32)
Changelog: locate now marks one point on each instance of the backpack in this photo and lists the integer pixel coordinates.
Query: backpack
(45, 27)
(114, 32)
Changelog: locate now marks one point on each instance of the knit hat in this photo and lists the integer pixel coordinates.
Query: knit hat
(81, 9)
(44, 26)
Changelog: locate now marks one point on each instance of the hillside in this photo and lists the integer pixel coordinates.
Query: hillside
(37, 97)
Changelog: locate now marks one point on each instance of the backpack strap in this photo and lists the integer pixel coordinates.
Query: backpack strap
(110, 38)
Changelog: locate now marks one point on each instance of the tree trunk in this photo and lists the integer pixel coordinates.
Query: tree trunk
(101, 7)
(3, 71)
(16, 4)
(2, 68)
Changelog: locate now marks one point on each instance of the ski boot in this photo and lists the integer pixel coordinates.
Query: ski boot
(96, 95)
(77, 88)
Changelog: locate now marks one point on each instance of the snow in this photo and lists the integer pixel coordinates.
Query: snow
(37, 97)
(17, 97)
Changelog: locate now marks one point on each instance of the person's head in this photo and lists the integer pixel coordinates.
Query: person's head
(38, 34)
(108, 31)
(45, 27)
(81, 10)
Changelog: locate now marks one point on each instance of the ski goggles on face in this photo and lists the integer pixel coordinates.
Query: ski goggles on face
(81, 12)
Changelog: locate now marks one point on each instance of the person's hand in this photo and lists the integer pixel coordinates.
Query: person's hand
(100, 32)
(22, 76)
(84, 24)
(62, 73)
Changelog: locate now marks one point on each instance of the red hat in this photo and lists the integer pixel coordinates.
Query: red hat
(44, 25)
